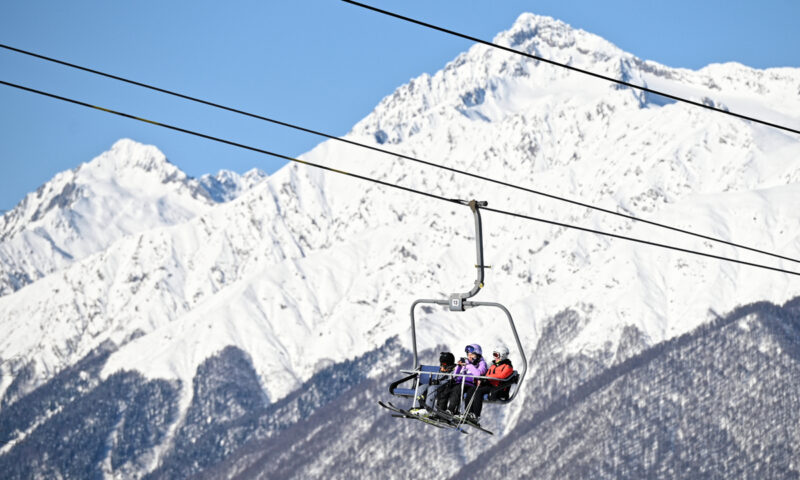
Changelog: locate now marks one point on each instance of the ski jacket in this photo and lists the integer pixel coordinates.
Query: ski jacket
(437, 378)
(502, 369)
(478, 370)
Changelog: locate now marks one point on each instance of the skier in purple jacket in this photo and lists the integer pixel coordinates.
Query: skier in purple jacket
(449, 397)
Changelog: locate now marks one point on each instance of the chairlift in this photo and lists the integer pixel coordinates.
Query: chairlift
(420, 375)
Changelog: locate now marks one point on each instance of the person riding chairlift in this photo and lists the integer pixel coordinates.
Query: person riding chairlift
(429, 392)
(449, 398)
(501, 369)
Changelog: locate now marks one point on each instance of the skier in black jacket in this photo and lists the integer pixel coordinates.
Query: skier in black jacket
(428, 393)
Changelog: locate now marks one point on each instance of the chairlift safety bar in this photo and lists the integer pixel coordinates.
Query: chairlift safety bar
(478, 377)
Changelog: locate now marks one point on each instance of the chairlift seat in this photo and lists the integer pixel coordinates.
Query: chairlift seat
(424, 375)
(502, 395)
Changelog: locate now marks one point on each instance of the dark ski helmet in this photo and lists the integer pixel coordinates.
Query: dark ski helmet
(447, 359)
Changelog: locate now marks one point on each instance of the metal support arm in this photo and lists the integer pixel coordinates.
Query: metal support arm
(457, 299)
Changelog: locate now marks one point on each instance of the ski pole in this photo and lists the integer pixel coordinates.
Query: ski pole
(469, 405)
(416, 392)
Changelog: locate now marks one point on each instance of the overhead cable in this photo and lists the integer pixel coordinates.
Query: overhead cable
(570, 67)
(389, 152)
(388, 184)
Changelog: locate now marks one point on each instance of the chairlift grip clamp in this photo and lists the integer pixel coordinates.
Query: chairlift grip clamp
(474, 204)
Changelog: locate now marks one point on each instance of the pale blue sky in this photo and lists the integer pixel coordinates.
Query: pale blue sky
(324, 64)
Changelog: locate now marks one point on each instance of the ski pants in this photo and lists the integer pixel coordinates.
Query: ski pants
(484, 389)
(449, 397)
(429, 394)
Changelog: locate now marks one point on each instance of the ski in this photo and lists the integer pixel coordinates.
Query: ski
(393, 408)
(406, 414)
(459, 421)
(440, 422)
(399, 412)
(414, 417)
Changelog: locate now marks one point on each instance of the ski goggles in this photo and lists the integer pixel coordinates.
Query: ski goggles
(469, 349)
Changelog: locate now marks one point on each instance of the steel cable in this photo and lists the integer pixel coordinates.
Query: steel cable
(570, 67)
(387, 184)
(389, 152)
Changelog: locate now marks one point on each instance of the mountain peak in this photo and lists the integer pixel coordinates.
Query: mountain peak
(127, 155)
(311, 268)
(528, 25)
(537, 34)
(486, 84)
(128, 189)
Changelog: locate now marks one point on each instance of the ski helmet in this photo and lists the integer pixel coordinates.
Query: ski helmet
(474, 348)
(447, 359)
(501, 351)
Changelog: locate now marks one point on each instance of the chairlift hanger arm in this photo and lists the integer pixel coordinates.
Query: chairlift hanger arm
(457, 299)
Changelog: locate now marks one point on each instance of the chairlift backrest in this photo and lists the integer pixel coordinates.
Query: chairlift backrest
(424, 376)
(504, 396)
(426, 373)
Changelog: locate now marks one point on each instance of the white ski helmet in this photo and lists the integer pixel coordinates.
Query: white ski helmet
(501, 351)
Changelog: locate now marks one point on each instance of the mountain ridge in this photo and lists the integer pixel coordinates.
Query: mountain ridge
(299, 193)
(126, 190)
(307, 269)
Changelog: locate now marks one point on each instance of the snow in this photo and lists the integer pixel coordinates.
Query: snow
(130, 189)
(305, 267)
(227, 185)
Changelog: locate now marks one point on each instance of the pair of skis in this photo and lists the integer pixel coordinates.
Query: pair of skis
(447, 421)
(402, 413)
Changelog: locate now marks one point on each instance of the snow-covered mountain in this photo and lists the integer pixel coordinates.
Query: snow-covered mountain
(227, 185)
(306, 269)
(718, 401)
(126, 190)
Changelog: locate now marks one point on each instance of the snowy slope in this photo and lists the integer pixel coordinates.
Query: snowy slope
(308, 268)
(717, 400)
(126, 190)
(129, 189)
